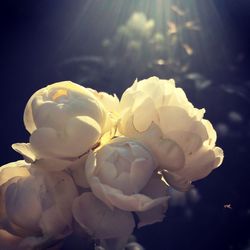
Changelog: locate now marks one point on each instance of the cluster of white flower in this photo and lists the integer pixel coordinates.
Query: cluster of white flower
(97, 160)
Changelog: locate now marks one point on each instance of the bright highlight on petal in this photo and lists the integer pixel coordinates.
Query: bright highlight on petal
(59, 93)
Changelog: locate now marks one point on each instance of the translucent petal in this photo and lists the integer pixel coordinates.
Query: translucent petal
(175, 118)
(25, 150)
(144, 115)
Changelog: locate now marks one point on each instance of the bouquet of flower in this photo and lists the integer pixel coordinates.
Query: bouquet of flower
(99, 162)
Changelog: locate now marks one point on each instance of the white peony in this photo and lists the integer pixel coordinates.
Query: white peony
(65, 120)
(34, 202)
(159, 115)
(122, 175)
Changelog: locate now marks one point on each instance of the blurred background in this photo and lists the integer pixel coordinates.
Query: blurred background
(106, 44)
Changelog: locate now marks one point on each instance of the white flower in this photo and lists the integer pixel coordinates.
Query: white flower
(159, 115)
(34, 202)
(121, 174)
(138, 26)
(65, 120)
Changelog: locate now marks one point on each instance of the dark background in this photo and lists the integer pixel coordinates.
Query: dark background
(37, 36)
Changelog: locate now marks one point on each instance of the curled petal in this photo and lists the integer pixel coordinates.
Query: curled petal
(80, 134)
(114, 197)
(211, 132)
(202, 164)
(124, 164)
(13, 169)
(25, 150)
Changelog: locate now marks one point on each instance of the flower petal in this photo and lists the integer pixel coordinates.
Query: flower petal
(23, 204)
(142, 120)
(77, 169)
(189, 142)
(114, 197)
(25, 150)
(13, 169)
(49, 114)
(177, 119)
(63, 191)
(80, 134)
(155, 188)
(166, 151)
(99, 220)
(202, 164)
(141, 171)
(9, 241)
(53, 223)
